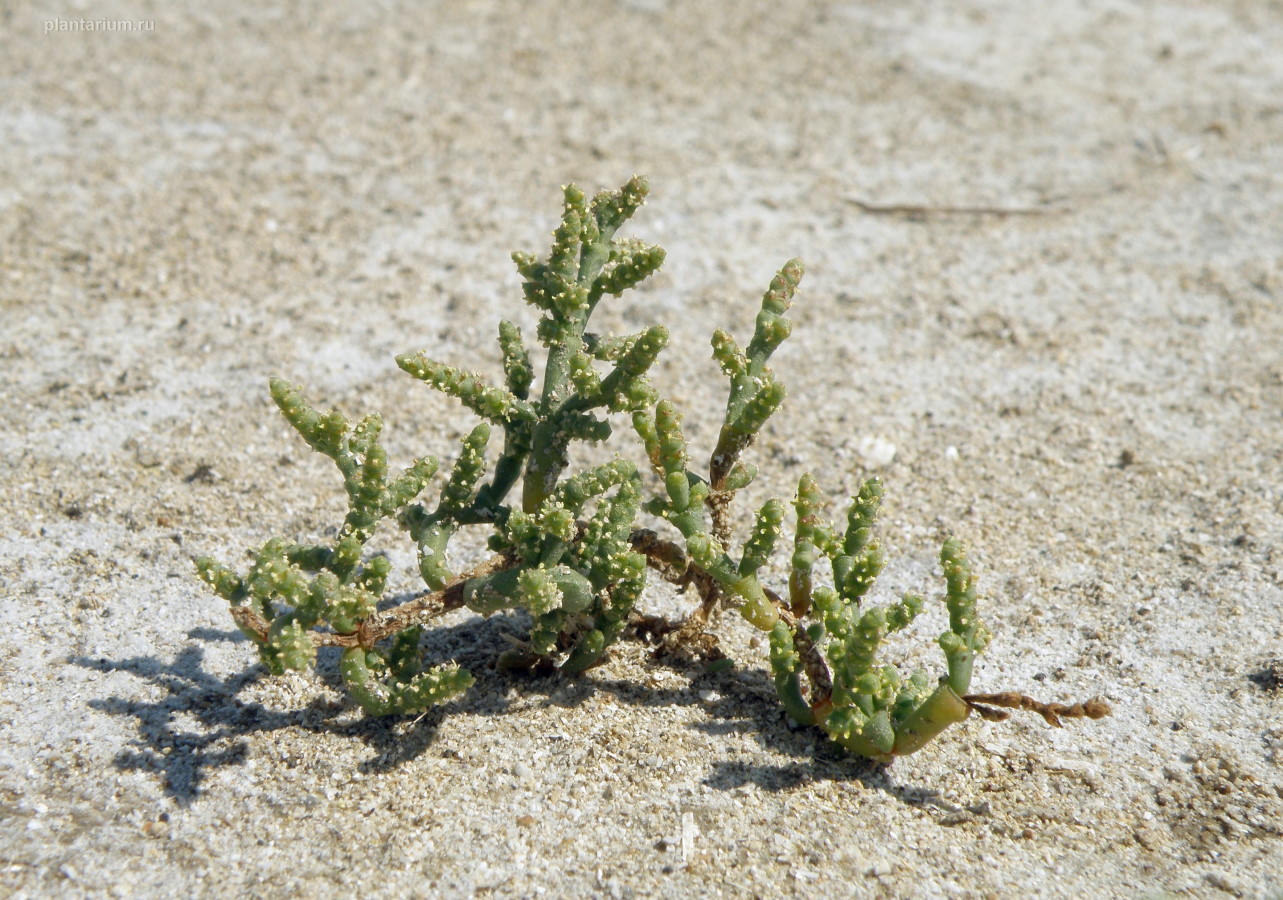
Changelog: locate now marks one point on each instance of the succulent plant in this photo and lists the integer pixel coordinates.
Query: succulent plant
(568, 550)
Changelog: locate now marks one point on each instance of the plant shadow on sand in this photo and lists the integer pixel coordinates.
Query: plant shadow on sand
(201, 723)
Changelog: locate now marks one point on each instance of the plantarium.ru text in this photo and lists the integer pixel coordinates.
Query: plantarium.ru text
(567, 548)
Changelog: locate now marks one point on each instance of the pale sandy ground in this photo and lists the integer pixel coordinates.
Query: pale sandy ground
(1089, 395)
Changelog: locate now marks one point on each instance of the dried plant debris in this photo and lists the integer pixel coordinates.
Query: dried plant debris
(567, 548)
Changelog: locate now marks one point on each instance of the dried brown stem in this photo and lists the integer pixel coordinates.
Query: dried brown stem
(687, 637)
(422, 608)
(1095, 708)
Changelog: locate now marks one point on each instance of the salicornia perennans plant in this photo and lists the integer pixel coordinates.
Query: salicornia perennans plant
(568, 551)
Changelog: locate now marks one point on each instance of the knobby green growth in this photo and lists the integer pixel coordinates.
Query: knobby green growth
(567, 550)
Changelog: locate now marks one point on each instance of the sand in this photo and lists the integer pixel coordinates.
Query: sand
(1042, 303)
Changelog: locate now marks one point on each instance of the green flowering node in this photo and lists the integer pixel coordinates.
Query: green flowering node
(365, 435)
(960, 584)
(943, 708)
(224, 581)
(364, 685)
(582, 374)
(567, 240)
(490, 594)
(871, 736)
(490, 403)
(346, 556)
(644, 425)
(961, 660)
(967, 636)
(729, 356)
(586, 653)
(502, 590)
(643, 352)
(825, 601)
(861, 516)
(326, 433)
(321, 593)
(672, 443)
(288, 646)
(403, 653)
(309, 557)
(539, 591)
(363, 673)
(912, 694)
(432, 688)
(631, 263)
(816, 632)
(867, 735)
(569, 298)
(626, 566)
(272, 576)
(432, 541)
(637, 393)
(528, 265)
(801, 577)
(786, 668)
(739, 477)
(577, 490)
(699, 490)
(873, 689)
(549, 331)
(678, 486)
(658, 506)
(784, 657)
(467, 471)
(844, 723)
(744, 421)
(900, 615)
(348, 607)
(860, 648)
(864, 570)
(612, 209)
(761, 407)
(576, 591)
(518, 371)
(606, 348)
(585, 427)
(703, 549)
(556, 520)
(546, 633)
(761, 542)
(409, 484)
(522, 528)
(622, 512)
(779, 296)
(366, 488)
(807, 505)
(629, 574)
(373, 575)
(773, 331)
(633, 363)
(770, 329)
